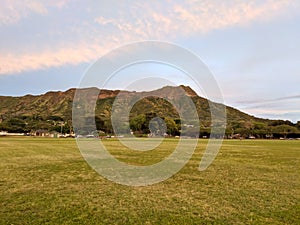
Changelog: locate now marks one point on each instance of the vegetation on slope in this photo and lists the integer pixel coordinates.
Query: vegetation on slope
(53, 112)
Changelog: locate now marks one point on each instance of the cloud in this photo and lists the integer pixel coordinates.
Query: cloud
(262, 102)
(208, 16)
(152, 20)
(292, 116)
(11, 12)
(18, 63)
(275, 111)
(142, 20)
(192, 17)
(37, 7)
(279, 108)
(103, 21)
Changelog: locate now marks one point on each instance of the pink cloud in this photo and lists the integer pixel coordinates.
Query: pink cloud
(17, 63)
(150, 20)
(12, 12)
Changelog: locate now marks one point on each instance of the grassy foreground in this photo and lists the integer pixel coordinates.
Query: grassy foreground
(46, 181)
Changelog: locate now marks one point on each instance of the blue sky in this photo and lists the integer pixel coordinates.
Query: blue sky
(252, 47)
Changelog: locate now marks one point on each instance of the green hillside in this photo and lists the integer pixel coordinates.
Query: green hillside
(53, 112)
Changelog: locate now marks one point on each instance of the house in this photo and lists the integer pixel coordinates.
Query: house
(3, 133)
(40, 133)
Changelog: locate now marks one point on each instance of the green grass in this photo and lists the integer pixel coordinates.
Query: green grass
(46, 181)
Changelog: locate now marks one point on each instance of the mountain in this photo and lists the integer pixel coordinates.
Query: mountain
(53, 112)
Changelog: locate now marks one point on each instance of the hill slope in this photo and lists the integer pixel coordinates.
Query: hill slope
(53, 111)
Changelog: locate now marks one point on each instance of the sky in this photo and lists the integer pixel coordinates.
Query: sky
(251, 47)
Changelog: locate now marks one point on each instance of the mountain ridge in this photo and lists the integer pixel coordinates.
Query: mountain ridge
(47, 111)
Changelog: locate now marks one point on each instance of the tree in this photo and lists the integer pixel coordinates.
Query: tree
(244, 132)
(157, 126)
(261, 130)
(298, 125)
(172, 127)
(138, 123)
(15, 125)
(284, 130)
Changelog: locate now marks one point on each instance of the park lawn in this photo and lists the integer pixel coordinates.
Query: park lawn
(46, 181)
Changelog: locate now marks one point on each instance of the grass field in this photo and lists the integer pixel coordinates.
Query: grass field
(46, 181)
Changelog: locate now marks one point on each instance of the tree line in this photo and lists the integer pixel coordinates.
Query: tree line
(150, 123)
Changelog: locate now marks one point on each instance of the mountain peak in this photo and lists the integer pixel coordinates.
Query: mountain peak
(175, 91)
(188, 90)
